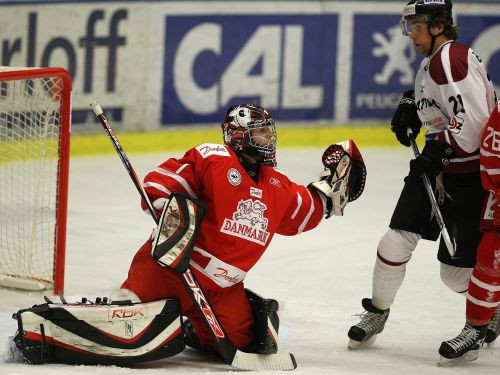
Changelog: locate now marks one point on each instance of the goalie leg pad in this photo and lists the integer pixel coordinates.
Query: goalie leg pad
(99, 334)
(266, 324)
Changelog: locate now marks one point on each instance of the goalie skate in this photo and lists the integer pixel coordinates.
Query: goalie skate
(364, 334)
(463, 348)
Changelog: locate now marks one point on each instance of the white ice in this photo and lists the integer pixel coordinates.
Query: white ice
(320, 275)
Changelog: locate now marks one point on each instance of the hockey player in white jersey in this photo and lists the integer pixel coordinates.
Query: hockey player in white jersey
(453, 98)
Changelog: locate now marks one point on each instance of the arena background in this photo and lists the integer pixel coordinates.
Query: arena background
(165, 71)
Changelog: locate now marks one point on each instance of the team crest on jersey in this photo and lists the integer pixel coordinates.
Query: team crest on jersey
(248, 222)
(234, 177)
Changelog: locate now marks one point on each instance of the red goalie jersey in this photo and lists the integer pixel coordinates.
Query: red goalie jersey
(490, 169)
(241, 215)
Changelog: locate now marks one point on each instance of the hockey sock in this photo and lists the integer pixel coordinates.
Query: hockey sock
(483, 297)
(394, 251)
(483, 294)
(386, 282)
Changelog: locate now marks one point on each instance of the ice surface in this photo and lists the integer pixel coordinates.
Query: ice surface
(320, 275)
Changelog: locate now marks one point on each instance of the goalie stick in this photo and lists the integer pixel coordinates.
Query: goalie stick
(427, 183)
(230, 354)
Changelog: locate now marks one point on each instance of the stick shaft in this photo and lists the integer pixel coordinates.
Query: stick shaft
(123, 156)
(434, 204)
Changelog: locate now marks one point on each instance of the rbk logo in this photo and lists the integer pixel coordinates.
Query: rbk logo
(127, 313)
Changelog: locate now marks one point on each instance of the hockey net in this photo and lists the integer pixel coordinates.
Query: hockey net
(34, 166)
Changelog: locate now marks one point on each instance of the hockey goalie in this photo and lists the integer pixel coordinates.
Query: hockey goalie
(218, 208)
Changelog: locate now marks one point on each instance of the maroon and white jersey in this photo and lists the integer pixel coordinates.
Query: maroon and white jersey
(241, 215)
(454, 98)
(490, 164)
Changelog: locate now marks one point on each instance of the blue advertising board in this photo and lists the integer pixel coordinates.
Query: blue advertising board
(283, 62)
(166, 63)
(384, 62)
(483, 34)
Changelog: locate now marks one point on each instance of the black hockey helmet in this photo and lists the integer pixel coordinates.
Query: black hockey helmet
(250, 129)
(429, 10)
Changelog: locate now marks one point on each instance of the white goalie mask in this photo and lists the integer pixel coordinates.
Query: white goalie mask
(250, 129)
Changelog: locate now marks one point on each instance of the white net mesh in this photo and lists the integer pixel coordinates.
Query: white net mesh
(29, 157)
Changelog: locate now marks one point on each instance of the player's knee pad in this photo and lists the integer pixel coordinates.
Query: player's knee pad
(99, 333)
(455, 278)
(266, 324)
(396, 247)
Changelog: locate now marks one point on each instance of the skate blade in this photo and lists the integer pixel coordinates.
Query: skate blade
(490, 341)
(467, 357)
(353, 344)
(491, 344)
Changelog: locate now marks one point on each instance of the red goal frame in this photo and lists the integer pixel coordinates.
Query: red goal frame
(63, 161)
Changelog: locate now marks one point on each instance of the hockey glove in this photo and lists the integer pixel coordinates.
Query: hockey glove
(434, 157)
(406, 117)
(343, 177)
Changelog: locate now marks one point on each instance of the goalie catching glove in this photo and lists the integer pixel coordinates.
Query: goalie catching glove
(343, 178)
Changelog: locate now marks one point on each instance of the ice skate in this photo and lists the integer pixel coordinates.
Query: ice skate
(372, 322)
(463, 348)
(493, 328)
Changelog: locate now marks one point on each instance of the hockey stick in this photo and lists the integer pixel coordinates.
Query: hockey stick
(121, 153)
(230, 354)
(432, 198)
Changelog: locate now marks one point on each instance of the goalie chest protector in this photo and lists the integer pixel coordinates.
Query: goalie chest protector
(99, 333)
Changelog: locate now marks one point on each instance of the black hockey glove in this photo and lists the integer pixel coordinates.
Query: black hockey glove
(434, 157)
(406, 117)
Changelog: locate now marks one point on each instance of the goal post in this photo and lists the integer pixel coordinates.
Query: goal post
(35, 117)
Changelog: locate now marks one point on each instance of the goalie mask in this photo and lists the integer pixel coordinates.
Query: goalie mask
(250, 129)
